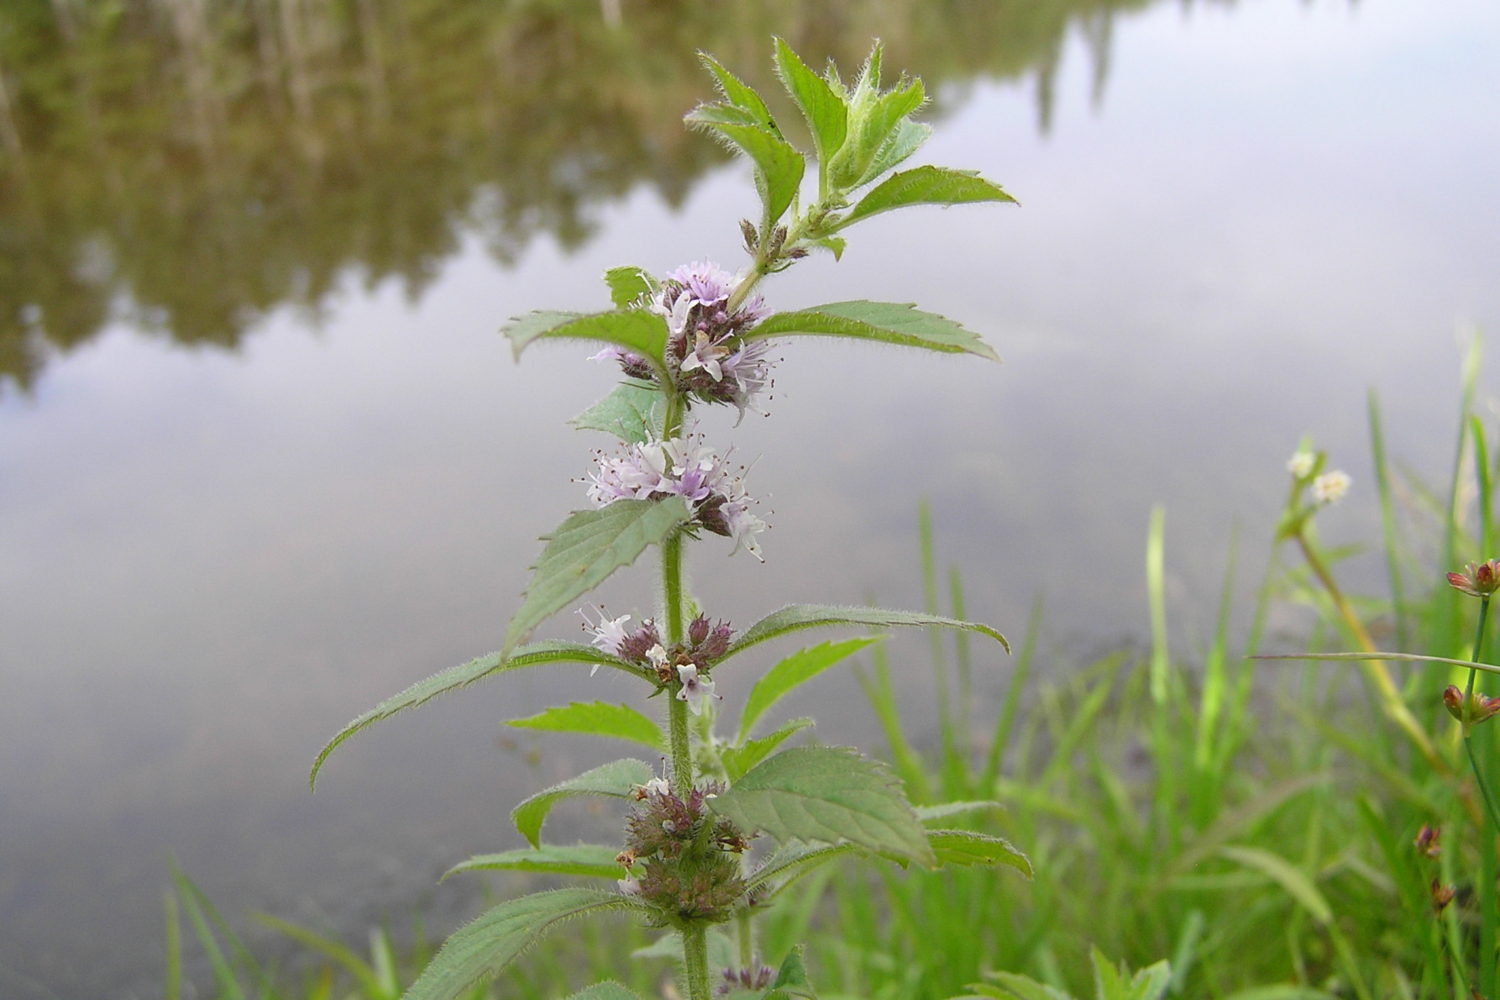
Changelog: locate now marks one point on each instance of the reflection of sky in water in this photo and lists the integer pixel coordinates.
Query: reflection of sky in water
(213, 560)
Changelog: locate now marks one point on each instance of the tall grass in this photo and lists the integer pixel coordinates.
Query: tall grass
(1254, 823)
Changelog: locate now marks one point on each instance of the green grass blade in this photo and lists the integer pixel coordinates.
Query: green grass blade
(363, 974)
(1482, 477)
(1388, 521)
(793, 671)
(172, 989)
(882, 699)
(1155, 592)
(930, 605)
(1291, 878)
(1005, 722)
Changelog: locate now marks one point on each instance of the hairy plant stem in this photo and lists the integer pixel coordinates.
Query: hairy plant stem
(695, 958)
(694, 934)
(1374, 670)
(679, 743)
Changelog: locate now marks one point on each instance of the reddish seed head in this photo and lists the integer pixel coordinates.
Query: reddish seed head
(1478, 579)
(1427, 841)
(1442, 895)
(1472, 710)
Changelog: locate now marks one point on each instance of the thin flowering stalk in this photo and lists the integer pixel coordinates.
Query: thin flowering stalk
(1468, 723)
(1374, 670)
(1487, 900)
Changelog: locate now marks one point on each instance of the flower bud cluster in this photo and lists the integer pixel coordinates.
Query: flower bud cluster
(756, 977)
(689, 858)
(1308, 477)
(1327, 487)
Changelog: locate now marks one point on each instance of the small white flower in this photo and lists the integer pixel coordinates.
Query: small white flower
(744, 526)
(609, 633)
(1300, 465)
(657, 786)
(657, 654)
(1330, 487)
(629, 886)
(695, 690)
(705, 354)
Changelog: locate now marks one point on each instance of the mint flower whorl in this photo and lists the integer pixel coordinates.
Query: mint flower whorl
(704, 342)
(706, 352)
(690, 858)
(685, 467)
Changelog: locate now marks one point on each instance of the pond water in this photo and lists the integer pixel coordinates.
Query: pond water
(264, 459)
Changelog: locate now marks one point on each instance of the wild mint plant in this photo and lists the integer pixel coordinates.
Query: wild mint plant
(735, 819)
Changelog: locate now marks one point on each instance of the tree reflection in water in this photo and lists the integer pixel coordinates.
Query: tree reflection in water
(187, 165)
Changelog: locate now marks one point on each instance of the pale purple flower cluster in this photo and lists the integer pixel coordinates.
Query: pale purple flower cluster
(706, 351)
(686, 662)
(683, 467)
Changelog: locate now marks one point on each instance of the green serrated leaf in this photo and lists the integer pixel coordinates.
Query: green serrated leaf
(791, 979)
(925, 186)
(886, 322)
(597, 718)
(1109, 982)
(481, 949)
(585, 549)
(943, 810)
(881, 128)
(714, 115)
(632, 413)
(739, 94)
(874, 121)
(639, 331)
(795, 617)
(778, 164)
(793, 861)
(1014, 986)
(833, 244)
(465, 674)
(738, 760)
(905, 139)
(967, 848)
(627, 284)
(827, 118)
(801, 666)
(615, 780)
(1151, 983)
(592, 860)
(827, 795)
(607, 990)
